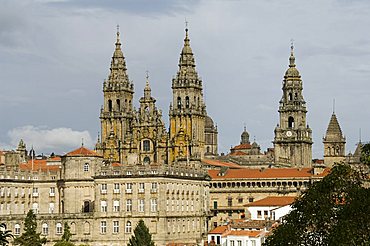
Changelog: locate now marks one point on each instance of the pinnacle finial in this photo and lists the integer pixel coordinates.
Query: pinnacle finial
(291, 58)
(118, 43)
(333, 105)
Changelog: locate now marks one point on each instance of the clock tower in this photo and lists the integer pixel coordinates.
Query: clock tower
(293, 137)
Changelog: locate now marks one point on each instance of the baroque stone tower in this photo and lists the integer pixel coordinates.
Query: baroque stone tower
(188, 111)
(149, 135)
(293, 137)
(334, 143)
(117, 112)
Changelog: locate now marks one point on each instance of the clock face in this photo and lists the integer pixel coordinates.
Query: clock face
(289, 133)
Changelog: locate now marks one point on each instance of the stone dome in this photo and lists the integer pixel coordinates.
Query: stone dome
(209, 122)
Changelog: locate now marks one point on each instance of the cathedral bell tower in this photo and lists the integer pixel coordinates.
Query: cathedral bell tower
(334, 143)
(293, 137)
(116, 112)
(187, 111)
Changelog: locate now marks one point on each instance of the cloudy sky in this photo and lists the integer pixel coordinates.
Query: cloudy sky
(55, 54)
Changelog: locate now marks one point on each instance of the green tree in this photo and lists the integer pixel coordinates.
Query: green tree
(5, 235)
(333, 211)
(142, 236)
(65, 237)
(30, 237)
(365, 154)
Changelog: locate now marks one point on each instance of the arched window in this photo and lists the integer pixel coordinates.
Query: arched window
(128, 227)
(86, 167)
(187, 102)
(59, 229)
(17, 229)
(110, 105)
(291, 122)
(45, 229)
(146, 160)
(290, 96)
(146, 145)
(86, 228)
(179, 102)
(86, 207)
(118, 105)
(73, 228)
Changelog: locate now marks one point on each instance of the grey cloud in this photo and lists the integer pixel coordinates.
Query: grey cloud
(139, 7)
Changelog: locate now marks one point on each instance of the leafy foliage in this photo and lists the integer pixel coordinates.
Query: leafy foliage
(65, 237)
(334, 211)
(30, 237)
(142, 236)
(365, 154)
(4, 235)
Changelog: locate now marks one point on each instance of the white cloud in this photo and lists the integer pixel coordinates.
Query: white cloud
(56, 140)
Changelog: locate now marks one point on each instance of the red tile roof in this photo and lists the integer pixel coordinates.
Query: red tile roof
(220, 163)
(82, 151)
(243, 233)
(271, 201)
(41, 165)
(218, 230)
(237, 153)
(242, 146)
(266, 173)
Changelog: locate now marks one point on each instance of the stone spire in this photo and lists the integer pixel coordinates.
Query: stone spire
(187, 61)
(334, 143)
(334, 132)
(118, 70)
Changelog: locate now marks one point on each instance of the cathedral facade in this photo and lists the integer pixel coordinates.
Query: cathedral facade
(140, 136)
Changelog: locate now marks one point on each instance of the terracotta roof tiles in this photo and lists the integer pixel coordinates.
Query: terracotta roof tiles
(266, 173)
(82, 151)
(271, 201)
(220, 163)
(218, 230)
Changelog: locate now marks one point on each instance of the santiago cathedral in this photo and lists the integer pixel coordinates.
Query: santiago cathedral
(172, 177)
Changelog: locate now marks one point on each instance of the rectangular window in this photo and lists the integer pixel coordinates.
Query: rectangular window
(214, 204)
(35, 192)
(265, 214)
(103, 227)
(153, 205)
(141, 187)
(52, 191)
(128, 205)
(115, 226)
(103, 189)
(116, 188)
(146, 145)
(103, 206)
(229, 201)
(141, 205)
(129, 188)
(240, 200)
(154, 187)
(259, 214)
(51, 208)
(116, 206)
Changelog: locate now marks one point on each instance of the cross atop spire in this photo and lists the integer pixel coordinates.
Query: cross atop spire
(291, 58)
(147, 89)
(118, 42)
